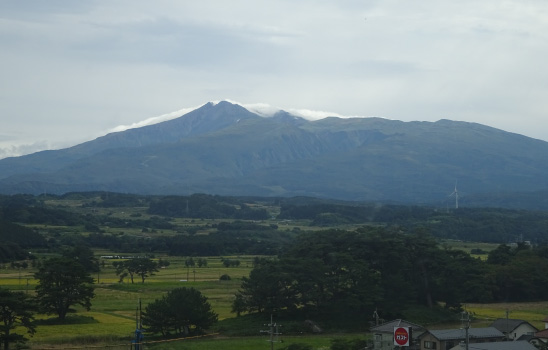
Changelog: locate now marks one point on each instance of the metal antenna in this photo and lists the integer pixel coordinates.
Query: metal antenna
(456, 194)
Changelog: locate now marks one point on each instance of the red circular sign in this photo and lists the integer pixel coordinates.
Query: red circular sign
(401, 336)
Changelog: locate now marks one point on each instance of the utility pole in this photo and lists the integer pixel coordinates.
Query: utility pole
(376, 317)
(273, 331)
(466, 325)
(137, 342)
(507, 330)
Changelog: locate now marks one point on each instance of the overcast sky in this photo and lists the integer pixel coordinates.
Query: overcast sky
(71, 71)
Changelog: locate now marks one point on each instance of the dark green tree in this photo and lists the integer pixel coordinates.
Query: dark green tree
(62, 283)
(523, 278)
(348, 344)
(238, 305)
(353, 273)
(189, 262)
(84, 255)
(463, 279)
(16, 313)
(158, 317)
(269, 288)
(121, 270)
(333, 272)
(163, 263)
(501, 255)
(143, 267)
(181, 311)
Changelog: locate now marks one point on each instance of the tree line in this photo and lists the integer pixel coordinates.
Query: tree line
(205, 206)
(493, 225)
(333, 272)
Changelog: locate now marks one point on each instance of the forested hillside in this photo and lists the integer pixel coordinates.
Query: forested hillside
(238, 225)
(493, 225)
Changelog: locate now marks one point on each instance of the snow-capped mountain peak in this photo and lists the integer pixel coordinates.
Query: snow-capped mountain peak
(266, 110)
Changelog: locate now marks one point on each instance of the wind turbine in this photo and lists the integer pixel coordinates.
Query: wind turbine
(456, 194)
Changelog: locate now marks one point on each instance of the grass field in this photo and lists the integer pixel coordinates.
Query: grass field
(318, 342)
(533, 312)
(111, 321)
(113, 313)
(112, 318)
(468, 247)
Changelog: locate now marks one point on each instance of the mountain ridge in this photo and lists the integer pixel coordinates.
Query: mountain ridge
(226, 149)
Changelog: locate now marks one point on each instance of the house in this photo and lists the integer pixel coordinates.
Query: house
(383, 335)
(506, 345)
(540, 338)
(513, 329)
(543, 334)
(445, 339)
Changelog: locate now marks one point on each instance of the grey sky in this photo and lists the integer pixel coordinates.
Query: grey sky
(73, 70)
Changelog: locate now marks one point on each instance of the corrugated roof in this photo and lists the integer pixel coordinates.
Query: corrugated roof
(388, 327)
(505, 345)
(542, 334)
(508, 325)
(456, 334)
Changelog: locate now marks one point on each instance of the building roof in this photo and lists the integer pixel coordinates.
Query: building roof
(526, 337)
(504, 345)
(542, 334)
(507, 325)
(460, 334)
(388, 327)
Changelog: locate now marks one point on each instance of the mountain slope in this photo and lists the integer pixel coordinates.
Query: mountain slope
(225, 149)
(206, 119)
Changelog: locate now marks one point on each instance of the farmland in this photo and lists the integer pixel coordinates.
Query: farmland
(114, 306)
(112, 319)
(136, 231)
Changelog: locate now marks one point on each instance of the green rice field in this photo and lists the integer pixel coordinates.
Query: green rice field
(113, 313)
(111, 322)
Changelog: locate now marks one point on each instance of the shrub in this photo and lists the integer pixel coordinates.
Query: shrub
(353, 344)
(298, 346)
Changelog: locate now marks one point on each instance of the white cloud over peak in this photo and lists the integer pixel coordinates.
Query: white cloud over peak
(154, 120)
(313, 115)
(266, 110)
(262, 109)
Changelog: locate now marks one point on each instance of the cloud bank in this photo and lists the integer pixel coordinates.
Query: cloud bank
(73, 70)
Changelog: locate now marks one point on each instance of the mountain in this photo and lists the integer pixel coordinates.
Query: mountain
(226, 149)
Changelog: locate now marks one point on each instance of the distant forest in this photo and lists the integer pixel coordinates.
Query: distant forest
(249, 227)
(355, 257)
